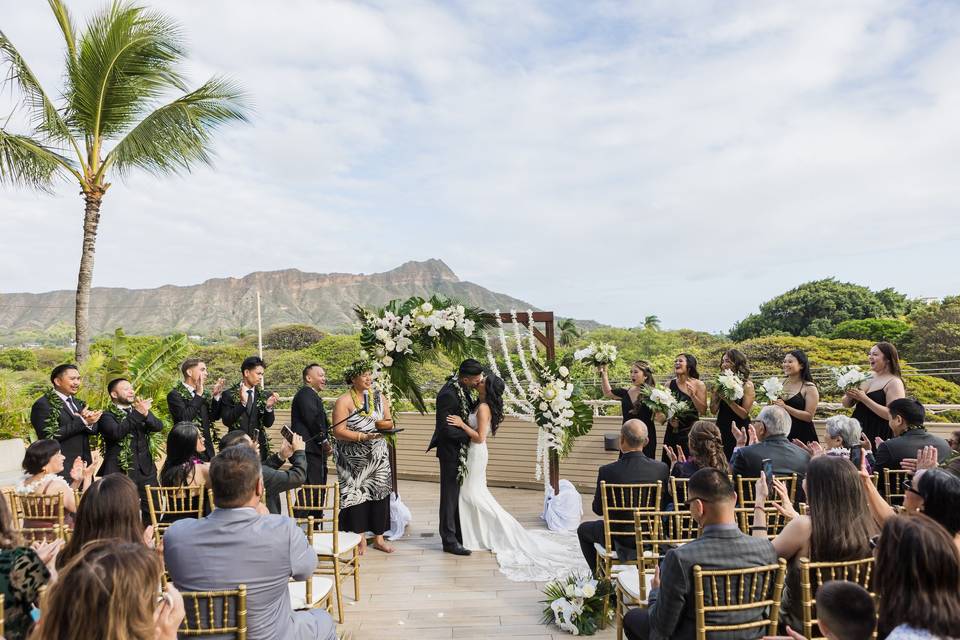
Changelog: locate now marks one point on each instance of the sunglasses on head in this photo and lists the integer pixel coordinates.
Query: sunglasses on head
(907, 486)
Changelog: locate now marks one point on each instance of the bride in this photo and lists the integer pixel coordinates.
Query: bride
(523, 555)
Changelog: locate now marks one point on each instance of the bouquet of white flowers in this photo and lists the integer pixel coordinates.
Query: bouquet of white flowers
(661, 400)
(849, 377)
(770, 389)
(597, 354)
(730, 385)
(575, 603)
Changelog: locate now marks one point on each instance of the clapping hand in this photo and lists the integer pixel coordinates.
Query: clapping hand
(142, 405)
(169, 614)
(675, 454)
(219, 386)
(927, 458)
(272, 400)
(78, 469)
(814, 448)
(96, 460)
(90, 417)
(47, 551)
(865, 442)
(740, 435)
(456, 421)
(784, 506)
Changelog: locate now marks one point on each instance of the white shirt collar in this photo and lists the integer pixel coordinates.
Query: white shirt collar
(189, 388)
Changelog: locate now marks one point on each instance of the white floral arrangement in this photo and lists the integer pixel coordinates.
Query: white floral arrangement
(557, 410)
(597, 354)
(849, 376)
(575, 604)
(729, 385)
(770, 389)
(661, 400)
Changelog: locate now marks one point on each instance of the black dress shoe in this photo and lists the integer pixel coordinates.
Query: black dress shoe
(458, 550)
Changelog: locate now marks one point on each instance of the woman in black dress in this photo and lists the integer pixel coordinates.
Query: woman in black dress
(870, 401)
(688, 387)
(802, 397)
(631, 400)
(737, 412)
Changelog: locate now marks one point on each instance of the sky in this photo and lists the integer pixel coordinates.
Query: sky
(604, 160)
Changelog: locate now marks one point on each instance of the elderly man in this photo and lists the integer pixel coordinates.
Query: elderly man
(633, 467)
(773, 425)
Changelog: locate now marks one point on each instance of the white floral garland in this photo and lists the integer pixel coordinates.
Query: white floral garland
(521, 392)
(514, 404)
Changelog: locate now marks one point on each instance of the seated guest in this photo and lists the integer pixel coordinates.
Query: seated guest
(43, 464)
(906, 421)
(773, 425)
(183, 466)
(633, 467)
(59, 415)
(844, 433)
(109, 591)
(247, 407)
(845, 611)
(275, 480)
(721, 545)
(23, 570)
(190, 402)
(936, 493)
(110, 509)
(916, 577)
(202, 555)
(703, 442)
(832, 487)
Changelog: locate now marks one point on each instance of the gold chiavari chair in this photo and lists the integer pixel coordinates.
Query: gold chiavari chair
(775, 520)
(29, 535)
(678, 490)
(10, 497)
(747, 486)
(39, 511)
(893, 491)
(656, 533)
(338, 551)
(2, 616)
(220, 613)
(814, 574)
(169, 504)
(738, 591)
(311, 593)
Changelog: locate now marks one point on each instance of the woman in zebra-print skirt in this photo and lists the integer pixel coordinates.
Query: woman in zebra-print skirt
(362, 458)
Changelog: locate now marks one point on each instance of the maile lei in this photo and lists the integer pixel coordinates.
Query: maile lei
(125, 457)
(463, 394)
(261, 402)
(52, 425)
(187, 395)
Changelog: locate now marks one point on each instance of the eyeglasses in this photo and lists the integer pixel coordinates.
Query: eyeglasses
(907, 486)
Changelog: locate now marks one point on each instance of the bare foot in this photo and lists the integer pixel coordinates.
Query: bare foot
(363, 544)
(382, 545)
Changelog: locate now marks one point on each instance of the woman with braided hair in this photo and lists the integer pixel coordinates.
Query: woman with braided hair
(706, 450)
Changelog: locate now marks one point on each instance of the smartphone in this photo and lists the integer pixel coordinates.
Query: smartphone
(287, 433)
(856, 452)
(768, 472)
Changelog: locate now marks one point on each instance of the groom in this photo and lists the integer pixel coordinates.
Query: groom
(453, 400)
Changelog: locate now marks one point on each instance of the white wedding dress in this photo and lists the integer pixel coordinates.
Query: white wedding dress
(524, 556)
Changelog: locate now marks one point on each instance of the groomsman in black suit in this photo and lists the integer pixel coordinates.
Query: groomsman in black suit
(189, 402)
(59, 415)
(308, 418)
(126, 433)
(247, 407)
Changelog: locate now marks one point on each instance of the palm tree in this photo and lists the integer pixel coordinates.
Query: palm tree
(569, 332)
(652, 323)
(117, 72)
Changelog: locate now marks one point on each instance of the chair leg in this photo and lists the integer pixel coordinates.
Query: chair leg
(336, 581)
(608, 573)
(619, 614)
(356, 574)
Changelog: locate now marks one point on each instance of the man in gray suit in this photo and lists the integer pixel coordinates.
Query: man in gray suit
(773, 425)
(235, 545)
(721, 545)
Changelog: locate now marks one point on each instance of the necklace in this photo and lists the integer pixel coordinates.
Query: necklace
(358, 404)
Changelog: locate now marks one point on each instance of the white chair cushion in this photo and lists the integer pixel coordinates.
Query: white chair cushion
(298, 592)
(323, 542)
(629, 581)
(603, 552)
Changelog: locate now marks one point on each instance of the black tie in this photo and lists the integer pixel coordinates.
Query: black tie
(73, 406)
(128, 411)
(250, 402)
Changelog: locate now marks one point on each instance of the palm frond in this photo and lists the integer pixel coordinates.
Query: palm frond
(126, 59)
(62, 15)
(156, 363)
(27, 162)
(177, 135)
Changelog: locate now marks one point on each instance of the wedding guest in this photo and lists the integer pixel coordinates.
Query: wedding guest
(363, 459)
(59, 415)
(183, 466)
(686, 386)
(728, 412)
(954, 442)
(633, 467)
(842, 435)
(935, 493)
(110, 509)
(189, 401)
(246, 406)
(631, 400)
(109, 591)
(871, 400)
(23, 571)
(275, 480)
(308, 418)
(201, 555)
(802, 396)
(772, 427)
(43, 467)
(706, 450)
(916, 577)
(910, 435)
(845, 611)
(721, 545)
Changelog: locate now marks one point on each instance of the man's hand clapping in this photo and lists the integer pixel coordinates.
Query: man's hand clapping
(142, 405)
(272, 400)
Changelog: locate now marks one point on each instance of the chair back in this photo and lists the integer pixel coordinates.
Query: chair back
(44, 534)
(893, 485)
(746, 488)
(678, 490)
(169, 504)
(220, 613)
(814, 574)
(775, 521)
(41, 507)
(752, 594)
(656, 533)
(318, 507)
(619, 502)
(12, 504)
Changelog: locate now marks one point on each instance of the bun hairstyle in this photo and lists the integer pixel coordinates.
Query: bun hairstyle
(494, 387)
(739, 362)
(706, 445)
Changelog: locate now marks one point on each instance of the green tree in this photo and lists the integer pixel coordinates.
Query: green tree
(873, 329)
(292, 336)
(936, 332)
(652, 323)
(117, 72)
(569, 332)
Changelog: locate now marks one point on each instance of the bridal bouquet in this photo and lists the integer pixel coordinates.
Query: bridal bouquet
(770, 389)
(661, 400)
(849, 377)
(597, 355)
(730, 385)
(575, 604)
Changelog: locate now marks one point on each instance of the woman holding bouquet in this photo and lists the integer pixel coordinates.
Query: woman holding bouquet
(734, 411)
(631, 400)
(802, 397)
(870, 401)
(686, 387)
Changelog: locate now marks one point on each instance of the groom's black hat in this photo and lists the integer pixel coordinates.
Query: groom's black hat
(470, 367)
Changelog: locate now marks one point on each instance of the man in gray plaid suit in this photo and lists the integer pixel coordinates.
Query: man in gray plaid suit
(721, 545)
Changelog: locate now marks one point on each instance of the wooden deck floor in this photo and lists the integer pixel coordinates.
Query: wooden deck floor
(420, 592)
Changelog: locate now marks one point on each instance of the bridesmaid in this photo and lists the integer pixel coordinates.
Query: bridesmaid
(737, 412)
(802, 397)
(686, 385)
(874, 395)
(631, 400)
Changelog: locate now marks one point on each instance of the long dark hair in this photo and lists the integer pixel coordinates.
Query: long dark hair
(917, 573)
(940, 491)
(739, 361)
(893, 358)
(494, 387)
(691, 365)
(841, 522)
(804, 361)
(110, 509)
(706, 445)
(178, 468)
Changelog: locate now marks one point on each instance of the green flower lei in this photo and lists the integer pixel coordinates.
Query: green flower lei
(52, 424)
(465, 397)
(261, 401)
(187, 395)
(125, 457)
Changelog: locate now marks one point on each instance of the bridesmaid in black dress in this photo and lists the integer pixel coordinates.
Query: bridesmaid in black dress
(870, 401)
(730, 413)
(685, 386)
(802, 397)
(631, 401)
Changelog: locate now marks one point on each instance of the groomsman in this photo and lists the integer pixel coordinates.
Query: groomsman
(189, 402)
(247, 407)
(126, 436)
(59, 415)
(308, 418)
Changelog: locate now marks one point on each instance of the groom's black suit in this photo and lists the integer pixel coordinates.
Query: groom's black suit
(447, 440)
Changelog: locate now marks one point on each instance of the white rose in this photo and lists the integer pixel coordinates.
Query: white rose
(387, 361)
(569, 591)
(389, 345)
(449, 324)
(426, 307)
(589, 590)
(563, 371)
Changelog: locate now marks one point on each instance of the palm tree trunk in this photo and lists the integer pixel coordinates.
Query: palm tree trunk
(91, 220)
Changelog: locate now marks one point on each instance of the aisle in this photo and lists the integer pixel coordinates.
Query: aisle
(420, 592)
